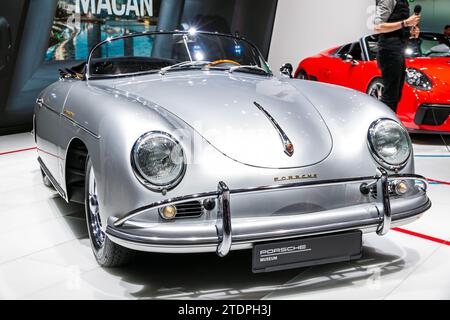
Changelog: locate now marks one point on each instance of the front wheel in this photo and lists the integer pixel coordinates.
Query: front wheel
(376, 89)
(107, 253)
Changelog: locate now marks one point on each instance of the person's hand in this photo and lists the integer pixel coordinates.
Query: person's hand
(415, 32)
(413, 21)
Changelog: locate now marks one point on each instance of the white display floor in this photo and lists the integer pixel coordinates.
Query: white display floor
(45, 253)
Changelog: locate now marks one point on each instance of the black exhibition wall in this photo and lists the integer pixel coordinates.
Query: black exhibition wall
(12, 21)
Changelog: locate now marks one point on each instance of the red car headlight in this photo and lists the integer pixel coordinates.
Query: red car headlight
(418, 79)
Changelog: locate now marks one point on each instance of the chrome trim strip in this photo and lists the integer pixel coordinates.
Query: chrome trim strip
(96, 136)
(42, 104)
(223, 225)
(51, 178)
(309, 184)
(200, 196)
(287, 144)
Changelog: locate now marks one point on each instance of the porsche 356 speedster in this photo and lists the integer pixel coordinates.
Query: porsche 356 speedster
(182, 142)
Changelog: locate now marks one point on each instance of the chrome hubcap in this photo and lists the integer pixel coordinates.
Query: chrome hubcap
(95, 224)
(376, 91)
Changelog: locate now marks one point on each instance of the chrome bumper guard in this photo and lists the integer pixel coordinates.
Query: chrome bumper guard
(386, 214)
(381, 186)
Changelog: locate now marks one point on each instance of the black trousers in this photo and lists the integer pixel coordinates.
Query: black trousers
(392, 65)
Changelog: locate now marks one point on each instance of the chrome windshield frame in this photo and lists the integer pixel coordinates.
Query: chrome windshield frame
(88, 75)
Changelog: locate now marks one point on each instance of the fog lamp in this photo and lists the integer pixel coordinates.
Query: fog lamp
(401, 188)
(168, 212)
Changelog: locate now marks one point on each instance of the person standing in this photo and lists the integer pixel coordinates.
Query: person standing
(393, 22)
(447, 30)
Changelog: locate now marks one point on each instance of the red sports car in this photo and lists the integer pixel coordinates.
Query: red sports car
(425, 105)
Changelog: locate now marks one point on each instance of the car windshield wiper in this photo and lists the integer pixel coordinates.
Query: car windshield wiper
(184, 64)
(248, 68)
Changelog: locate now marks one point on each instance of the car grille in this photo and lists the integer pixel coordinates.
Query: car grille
(432, 114)
(191, 209)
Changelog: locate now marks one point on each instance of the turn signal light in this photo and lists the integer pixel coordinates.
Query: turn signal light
(401, 188)
(169, 212)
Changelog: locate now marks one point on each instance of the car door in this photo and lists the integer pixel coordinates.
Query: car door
(347, 62)
(333, 66)
(355, 65)
(48, 115)
(367, 70)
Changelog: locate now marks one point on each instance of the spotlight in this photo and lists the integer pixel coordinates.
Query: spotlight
(192, 31)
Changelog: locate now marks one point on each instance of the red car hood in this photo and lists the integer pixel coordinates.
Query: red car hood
(438, 69)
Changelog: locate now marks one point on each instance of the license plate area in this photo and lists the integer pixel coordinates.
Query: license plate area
(304, 252)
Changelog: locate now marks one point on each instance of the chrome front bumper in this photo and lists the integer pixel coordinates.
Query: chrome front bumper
(228, 233)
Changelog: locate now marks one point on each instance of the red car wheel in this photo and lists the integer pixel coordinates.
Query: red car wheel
(376, 89)
(302, 75)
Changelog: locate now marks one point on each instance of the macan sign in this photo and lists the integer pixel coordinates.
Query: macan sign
(115, 7)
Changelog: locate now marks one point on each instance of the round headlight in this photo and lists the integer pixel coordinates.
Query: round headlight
(390, 143)
(158, 160)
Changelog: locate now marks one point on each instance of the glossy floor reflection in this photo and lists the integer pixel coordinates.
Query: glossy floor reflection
(45, 253)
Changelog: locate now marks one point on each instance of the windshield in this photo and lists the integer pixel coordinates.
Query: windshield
(167, 52)
(427, 45)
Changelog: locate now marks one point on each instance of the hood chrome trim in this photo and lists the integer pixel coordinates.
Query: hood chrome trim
(287, 144)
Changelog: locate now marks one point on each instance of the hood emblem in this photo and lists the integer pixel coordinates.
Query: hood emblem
(287, 144)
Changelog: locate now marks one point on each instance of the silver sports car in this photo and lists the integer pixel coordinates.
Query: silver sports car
(181, 142)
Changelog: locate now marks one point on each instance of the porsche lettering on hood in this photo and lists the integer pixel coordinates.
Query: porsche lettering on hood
(221, 107)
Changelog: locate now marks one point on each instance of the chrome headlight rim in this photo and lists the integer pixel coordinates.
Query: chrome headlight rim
(141, 176)
(429, 83)
(377, 157)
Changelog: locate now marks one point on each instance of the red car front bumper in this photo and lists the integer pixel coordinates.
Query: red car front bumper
(425, 111)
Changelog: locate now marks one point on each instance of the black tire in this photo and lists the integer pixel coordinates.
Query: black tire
(374, 88)
(107, 253)
(46, 181)
(302, 75)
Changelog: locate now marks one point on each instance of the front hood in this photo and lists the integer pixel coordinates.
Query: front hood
(438, 69)
(223, 108)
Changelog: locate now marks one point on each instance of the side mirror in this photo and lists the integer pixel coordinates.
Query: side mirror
(287, 69)
(348, 58)
(5, 43)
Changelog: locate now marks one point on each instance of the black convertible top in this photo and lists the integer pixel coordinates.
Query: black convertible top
(76, 72)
